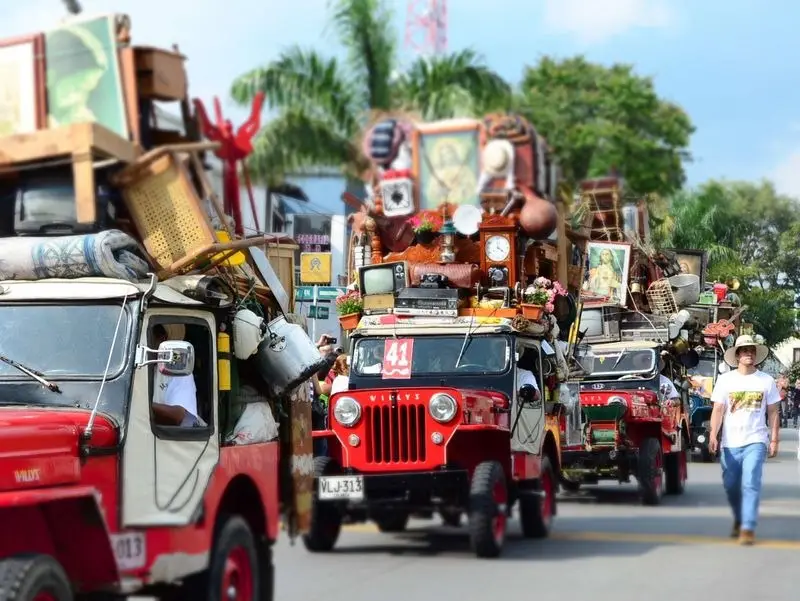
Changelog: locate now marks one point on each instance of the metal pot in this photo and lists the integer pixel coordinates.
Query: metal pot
(287, 357)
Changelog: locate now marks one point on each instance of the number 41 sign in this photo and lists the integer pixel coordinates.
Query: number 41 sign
(397, 356)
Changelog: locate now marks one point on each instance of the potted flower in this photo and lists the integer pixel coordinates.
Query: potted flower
(426, 225)
(540, 298)
(349, 306)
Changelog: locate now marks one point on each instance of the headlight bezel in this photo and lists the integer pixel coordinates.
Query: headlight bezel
(443, 396)
(355, 404)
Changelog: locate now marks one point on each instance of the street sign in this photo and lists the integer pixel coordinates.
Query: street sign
(319, 312)
(306, 293)
(315, 268)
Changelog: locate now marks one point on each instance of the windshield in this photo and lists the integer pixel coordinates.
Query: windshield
(706, 367)
(62, 341)
(438, 354)
(617, 362)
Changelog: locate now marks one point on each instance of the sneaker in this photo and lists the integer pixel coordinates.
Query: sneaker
(735, 530)
(747, 538)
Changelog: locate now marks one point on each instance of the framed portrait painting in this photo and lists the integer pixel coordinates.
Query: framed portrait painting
(84, 82)
(447, 158)
(692, 261)
(22, 95)
(606, 274)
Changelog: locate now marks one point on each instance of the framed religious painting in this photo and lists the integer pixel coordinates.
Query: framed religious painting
(84, 80)
(447, 162)
(606, 274)
(23, 106)
(692, 261)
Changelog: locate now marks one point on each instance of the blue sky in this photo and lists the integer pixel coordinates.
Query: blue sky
(730, 63)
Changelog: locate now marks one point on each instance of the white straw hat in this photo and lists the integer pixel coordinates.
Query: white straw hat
(761, 351)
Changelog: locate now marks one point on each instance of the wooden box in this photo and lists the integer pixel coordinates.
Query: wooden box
(160, 74)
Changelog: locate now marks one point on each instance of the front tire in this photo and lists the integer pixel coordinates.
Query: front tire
(536, 512)
(326, 519)
(33, 577)
(650, 471)
(488, 509)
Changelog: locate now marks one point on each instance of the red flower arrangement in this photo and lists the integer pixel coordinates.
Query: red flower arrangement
(426, 221)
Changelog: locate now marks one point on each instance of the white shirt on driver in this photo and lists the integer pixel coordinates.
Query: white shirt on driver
(179, 391)
(526, 377)
(665, 382)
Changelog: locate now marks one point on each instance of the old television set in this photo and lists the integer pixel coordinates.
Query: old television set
(383, 278)
(43, 204)
(600, 324)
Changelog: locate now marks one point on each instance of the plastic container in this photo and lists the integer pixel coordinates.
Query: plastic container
(686, 288)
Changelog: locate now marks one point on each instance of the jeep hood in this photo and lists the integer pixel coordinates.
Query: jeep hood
(40, 447)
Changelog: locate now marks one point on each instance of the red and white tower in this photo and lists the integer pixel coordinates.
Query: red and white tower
(426, 27)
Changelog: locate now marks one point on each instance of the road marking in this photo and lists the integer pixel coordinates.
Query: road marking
(673, 539)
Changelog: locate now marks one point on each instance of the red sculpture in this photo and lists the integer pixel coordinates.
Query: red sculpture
(234, 148)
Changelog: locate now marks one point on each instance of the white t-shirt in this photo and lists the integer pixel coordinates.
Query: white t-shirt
(672, 392)
(745, 398)
(340, 384)
(179, 391)
(526, 377)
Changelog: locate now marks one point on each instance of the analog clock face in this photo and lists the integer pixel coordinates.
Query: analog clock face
(497, 248)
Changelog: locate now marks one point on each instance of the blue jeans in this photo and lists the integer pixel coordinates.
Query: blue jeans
(741, 475)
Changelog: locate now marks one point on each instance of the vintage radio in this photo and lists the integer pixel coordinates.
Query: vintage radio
(440, 302)
(378, 304)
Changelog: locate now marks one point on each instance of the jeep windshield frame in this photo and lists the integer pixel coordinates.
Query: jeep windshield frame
(68, 342)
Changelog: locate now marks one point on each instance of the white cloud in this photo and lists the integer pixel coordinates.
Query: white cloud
(595, 21)
(786, 175)
(220, 40)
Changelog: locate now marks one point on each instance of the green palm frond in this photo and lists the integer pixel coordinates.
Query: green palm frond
(366, 29)
(314, 142)
(304, 79)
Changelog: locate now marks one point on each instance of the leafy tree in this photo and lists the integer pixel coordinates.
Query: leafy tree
(772, 313)
(323, 104)
(600, 118)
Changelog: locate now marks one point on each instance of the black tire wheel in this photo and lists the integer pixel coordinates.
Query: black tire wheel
(650, 471)
(675, 465)
(536, 512)
(33, 578)
(451, 517)
(326, 519)
(488, 509)
(391, 521)
(234, 572)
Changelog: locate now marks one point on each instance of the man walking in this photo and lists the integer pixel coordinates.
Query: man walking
(742, 398)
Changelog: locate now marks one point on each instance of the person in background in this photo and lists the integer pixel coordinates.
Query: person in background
(341, 373)
(174, 397)
(666, 385)
(795, 402)
(321, 389)
(742, 399)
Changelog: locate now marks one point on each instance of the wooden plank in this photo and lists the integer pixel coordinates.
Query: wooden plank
(81, 138)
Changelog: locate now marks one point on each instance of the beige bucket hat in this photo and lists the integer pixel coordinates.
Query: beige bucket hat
(761, 351)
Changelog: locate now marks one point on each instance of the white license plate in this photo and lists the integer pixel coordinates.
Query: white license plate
(129, 550)
(341, 487)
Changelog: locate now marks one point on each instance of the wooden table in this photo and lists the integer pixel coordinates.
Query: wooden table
(83, 143)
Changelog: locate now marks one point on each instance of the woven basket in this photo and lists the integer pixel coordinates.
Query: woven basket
(661, 299)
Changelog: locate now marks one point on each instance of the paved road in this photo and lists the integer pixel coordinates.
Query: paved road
(604, 546)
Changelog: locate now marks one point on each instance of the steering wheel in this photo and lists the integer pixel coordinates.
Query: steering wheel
(632, 377)
(467, 365)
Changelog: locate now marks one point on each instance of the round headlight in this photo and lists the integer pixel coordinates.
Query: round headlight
(347, 411)
(442, 407)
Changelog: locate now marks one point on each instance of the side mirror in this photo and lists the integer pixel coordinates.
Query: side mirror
(176, 358)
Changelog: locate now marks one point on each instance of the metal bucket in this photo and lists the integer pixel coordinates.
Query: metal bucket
(287, 357)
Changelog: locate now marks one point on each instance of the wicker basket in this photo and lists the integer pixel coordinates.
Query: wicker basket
(661, 299)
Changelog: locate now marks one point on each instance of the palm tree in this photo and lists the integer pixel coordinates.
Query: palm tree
(324, 104)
